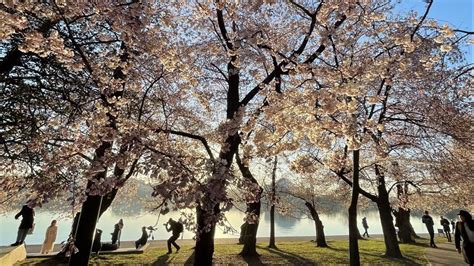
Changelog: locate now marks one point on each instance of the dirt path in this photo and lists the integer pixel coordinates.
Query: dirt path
(445, 254)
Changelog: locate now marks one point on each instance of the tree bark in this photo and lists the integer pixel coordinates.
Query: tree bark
(271, 244)
(249, 232)
(406, 233)
(353, 230)
(386, 219)
(204, 249)
(320, 237)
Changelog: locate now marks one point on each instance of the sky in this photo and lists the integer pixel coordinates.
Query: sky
(459, 14)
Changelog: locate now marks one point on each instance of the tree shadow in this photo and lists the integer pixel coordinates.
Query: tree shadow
(252, 260)
(290, 257)
(190, 260)
(162, 260)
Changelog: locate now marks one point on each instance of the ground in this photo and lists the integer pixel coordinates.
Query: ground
(294, 252)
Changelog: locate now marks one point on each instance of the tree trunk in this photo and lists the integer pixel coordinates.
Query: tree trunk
(353, 230)
(272, 208)
(406, 233)
(250, 234)
(320, 237)
(206, 228)
(87, 223)
(389, 232)
(249, 230)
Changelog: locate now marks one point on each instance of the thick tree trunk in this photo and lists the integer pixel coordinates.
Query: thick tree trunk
(353, 230)
(272, 244)
(249, 230)
(406, 234)
(320, 237)
(250, 234)
(386, 219)
(87, 223)
(204, 249)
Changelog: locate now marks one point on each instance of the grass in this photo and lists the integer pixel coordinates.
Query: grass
(288, 253)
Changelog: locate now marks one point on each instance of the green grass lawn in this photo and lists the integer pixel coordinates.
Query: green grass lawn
(296, 253)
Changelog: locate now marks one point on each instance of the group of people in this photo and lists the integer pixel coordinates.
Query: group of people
(27, 225)
(463, 230)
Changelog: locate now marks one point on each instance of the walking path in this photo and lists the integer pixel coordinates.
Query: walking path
(445, 254)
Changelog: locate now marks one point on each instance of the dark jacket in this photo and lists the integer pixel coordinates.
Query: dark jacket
(27, 215)
(461, 233)
(364, 223)
(144, 238)
(427, 220)
(176, 227)
(468, 246)
(445, 223)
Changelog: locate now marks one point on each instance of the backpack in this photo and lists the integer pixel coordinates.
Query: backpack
(179, 227)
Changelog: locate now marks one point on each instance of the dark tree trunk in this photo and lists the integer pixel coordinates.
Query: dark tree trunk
(406, 233)
(249, 230)
(320, 237)
(250, 234)
(272, 244)
(353, 230)
(359, 236)
(86, 230)
(386, 219)
(204, 249)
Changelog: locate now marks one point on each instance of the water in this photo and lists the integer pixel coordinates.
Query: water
(334, 224)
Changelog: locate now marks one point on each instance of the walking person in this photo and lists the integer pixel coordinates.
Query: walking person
(366, 226)
(50, 237)
(428, 221)
(177, 229)
(447, 231)
(465, 230)
(453, 225)
(27, 214)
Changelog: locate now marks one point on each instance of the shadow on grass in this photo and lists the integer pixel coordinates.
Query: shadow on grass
(290, 257)
(162, 260)
(190, 260)
(252, 260)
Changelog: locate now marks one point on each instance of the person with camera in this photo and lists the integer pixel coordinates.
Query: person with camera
(177, 229)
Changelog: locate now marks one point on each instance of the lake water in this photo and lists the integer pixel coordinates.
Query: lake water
(334, 224)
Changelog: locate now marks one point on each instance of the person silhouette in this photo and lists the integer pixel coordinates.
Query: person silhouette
(465, 230)
(447, 230)
(177, 229)
(366, 226)
(428, 221)
(143, 239)
(27, 213)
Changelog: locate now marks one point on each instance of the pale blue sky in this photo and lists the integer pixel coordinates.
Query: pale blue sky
(457, 13)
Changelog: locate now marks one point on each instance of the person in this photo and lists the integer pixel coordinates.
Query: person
(50, 237)
(117, 231)
(428, 221)
(27, 213)
(447, 231)
(177, 229)
(453, 225)
(142, 241)
(465, 230)
(366, 226)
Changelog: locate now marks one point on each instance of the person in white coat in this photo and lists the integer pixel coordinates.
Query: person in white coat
(50, 237)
